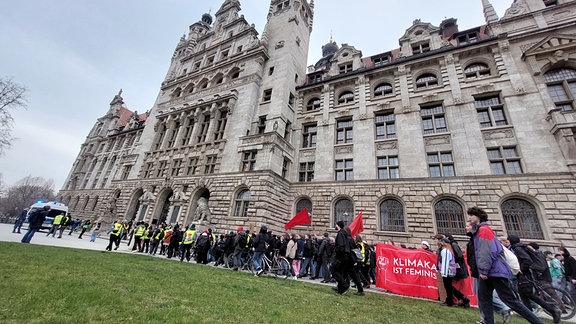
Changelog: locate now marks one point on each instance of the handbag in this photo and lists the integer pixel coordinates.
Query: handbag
(511, 260)
(357, 255)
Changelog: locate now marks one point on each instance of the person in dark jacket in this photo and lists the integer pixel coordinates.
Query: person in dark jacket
(239, 246)
(569, 270)
(324, 256)
(259, 243)
(174, 244)
(308, 258)
(35, 223)
(526, 279)
(342, 263)
(20, 221)
(493, 270)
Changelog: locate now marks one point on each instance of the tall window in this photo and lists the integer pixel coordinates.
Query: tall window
(490, 112)
(261, 124)
(449, 217)
(267, 95)
(192, 166)
(383, 89)
(385, 125)
(476, 70)
(285, 168)
(309, 135)
(388, 167)
(521, 219)
(210, 166)
(344, 131)
(161, 168)
(249, 161)
(221, 125)
(306, 173)
(433, 120)
(344, 170)
(241, 203)
(160, 136)
(344, 211)
(304, 203)
(391, 216)
(95, 203)
(148, 170)
(176, 167)
(441, 164)
(562, 87)
(504, 160)
(126, 172)
(173, 134)
(346, 97)
(204, 128)
(345, 68)
(426, 80)
(313, 104)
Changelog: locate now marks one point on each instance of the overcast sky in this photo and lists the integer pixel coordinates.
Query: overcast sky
(74, 55)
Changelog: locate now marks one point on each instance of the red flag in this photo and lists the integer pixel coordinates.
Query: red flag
(301, 218)
(357, 226)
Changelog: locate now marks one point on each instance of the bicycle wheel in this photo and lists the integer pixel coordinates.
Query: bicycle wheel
(250, 266)
(566, 299)
(282, 268)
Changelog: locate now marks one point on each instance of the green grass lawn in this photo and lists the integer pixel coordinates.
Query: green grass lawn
(41, 284)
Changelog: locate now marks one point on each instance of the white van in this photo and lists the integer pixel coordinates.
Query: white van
(56, 208)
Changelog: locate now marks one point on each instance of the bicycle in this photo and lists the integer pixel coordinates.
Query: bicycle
(559, 297)
(277, 266)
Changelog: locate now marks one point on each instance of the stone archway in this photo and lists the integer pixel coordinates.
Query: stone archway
(199, 210)
(134, 205)
(162, 206)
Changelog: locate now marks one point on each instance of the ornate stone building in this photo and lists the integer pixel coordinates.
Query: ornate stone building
(244, 133)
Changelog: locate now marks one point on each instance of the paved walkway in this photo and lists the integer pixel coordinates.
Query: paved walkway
(72, 241)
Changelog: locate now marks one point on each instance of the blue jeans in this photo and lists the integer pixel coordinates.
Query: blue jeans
(28, 236)
(93, 236)
(305, 263)
(257, 260)
(17, 226)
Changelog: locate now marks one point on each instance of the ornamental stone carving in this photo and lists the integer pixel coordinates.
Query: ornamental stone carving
(498, 134)
(437, 140)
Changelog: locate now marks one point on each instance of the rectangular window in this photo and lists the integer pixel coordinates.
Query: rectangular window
(420, 48)
(261, 124)
(221, 125)
(291, 99)
(224, 54)
(285, 168)
(267, 96)
(176, 167)
(210, 166)
(344, 130)
(344, 170)
(126, 172)
(309, 135)
(173, 134)
(249, 161)
(287, 131)
(306, 172)
(441, 164)
(315, 78)
(271, 71)
(345, 68)
(192, 166)
(433, 120)
(204, 128)
(239, 49)
(161, 168)
(504, 160)
(187, 131)
(380, 60)
(388, 167)
(148, 170)
(385, 125)
(490, 112)
(468, 38)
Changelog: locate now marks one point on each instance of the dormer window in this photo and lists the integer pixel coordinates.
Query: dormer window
(315, 77)
(346, 97)
(468, 38)
(420, 48)
(383, 89)
(379, 60)
(345, 68)
(426, 80)
(283, 5)
(550, 3)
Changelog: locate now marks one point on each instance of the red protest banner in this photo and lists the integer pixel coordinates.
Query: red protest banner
(412, 273)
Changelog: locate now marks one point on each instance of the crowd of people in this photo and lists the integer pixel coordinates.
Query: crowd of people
(346, 258)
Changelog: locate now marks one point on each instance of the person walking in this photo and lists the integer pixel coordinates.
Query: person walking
(447, 267)
(259, 242)
(35, 221)
(556, 269)
(20, 221)
(188, 240)
(75, 224)
(56, 224)
(65, 222)
(343, 264)
(85, 227)
(115, 235)
(325, 252)
(493, 270)
(95, 232)
(239, 247)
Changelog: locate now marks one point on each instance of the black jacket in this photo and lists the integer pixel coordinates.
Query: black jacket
(471, 258)
(39, 219)
(569, 265)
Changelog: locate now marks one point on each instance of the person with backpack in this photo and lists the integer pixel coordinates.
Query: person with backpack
(342, 262)
(325, 252)
(448, 267)
(363, 267)
(569, 270)
(531, 269)
(35, 221)
(240, 243)
(493, 270)
(308, 258)
(202, 247)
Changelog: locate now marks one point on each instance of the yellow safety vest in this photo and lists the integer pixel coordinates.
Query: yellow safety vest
(362, 250)
(58, 219)
(146, 235)
(117, 229)
(140, 231)
(248, 241)
(159, 232)
(189, 236)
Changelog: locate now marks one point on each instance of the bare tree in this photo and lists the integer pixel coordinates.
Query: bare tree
(12, 96)
(26, 192)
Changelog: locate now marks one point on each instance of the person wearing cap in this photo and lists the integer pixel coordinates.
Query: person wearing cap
(426, 246)
(239, 245)
(556, 269)
(343, 264)
(494, 272)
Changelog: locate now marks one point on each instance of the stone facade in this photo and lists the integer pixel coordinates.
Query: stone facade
(243, 133)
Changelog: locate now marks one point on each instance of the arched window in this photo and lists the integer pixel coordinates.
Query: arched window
(95, 203)
(218, 79)
(203, 84)
(86, 203)
(346, 97)
(313, 104)
(304, 203)
(344, 211)
(241, 203)
(426, 80)
(521, 219)
(177, 93)
(383, 89)
(235, 73)
(562, 87)
(476, 70)
(391, 216)
(449, 217)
